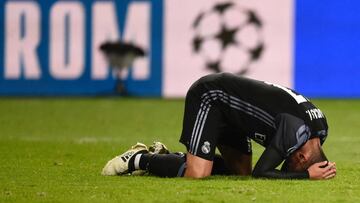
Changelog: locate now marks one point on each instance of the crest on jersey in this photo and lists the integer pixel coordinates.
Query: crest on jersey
(206, 147)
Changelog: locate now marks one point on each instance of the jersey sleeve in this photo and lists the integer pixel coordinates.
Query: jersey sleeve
(266, 167)
(290, 135)
(322, 134)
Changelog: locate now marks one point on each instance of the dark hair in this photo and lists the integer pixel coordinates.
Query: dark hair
(316, 156)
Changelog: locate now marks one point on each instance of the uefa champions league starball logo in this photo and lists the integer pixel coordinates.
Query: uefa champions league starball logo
(228, 37)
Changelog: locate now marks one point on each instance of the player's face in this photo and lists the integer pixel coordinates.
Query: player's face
(310, 153)
(296, 162)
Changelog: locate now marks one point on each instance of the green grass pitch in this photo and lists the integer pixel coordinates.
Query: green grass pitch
(54, 149)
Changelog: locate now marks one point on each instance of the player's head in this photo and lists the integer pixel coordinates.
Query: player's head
(311, 152)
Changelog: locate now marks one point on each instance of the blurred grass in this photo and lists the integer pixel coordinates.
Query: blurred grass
(53, 149)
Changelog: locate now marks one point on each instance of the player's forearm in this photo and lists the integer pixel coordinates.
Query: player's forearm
(276, 174)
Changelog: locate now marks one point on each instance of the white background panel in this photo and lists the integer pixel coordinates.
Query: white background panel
(182, 66)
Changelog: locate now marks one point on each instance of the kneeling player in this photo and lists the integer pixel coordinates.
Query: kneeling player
(225, 111)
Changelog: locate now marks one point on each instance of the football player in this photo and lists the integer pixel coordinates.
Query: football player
(225, 111)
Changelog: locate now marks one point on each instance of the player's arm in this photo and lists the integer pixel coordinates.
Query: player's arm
(270, 159)
(266, 167)
(287, 127)
(197, 167)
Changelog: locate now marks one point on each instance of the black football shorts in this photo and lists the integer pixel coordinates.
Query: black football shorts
(206, 125)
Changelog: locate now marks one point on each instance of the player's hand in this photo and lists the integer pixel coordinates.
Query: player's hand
(322, 170)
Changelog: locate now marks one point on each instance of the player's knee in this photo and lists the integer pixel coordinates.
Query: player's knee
(195, 172)
(197, 167)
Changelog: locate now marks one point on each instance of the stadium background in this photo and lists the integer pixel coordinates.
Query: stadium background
(51, 47)
(62, 120)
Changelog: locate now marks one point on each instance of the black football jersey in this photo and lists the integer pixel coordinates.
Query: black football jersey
(274, 116)
(260, 105)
